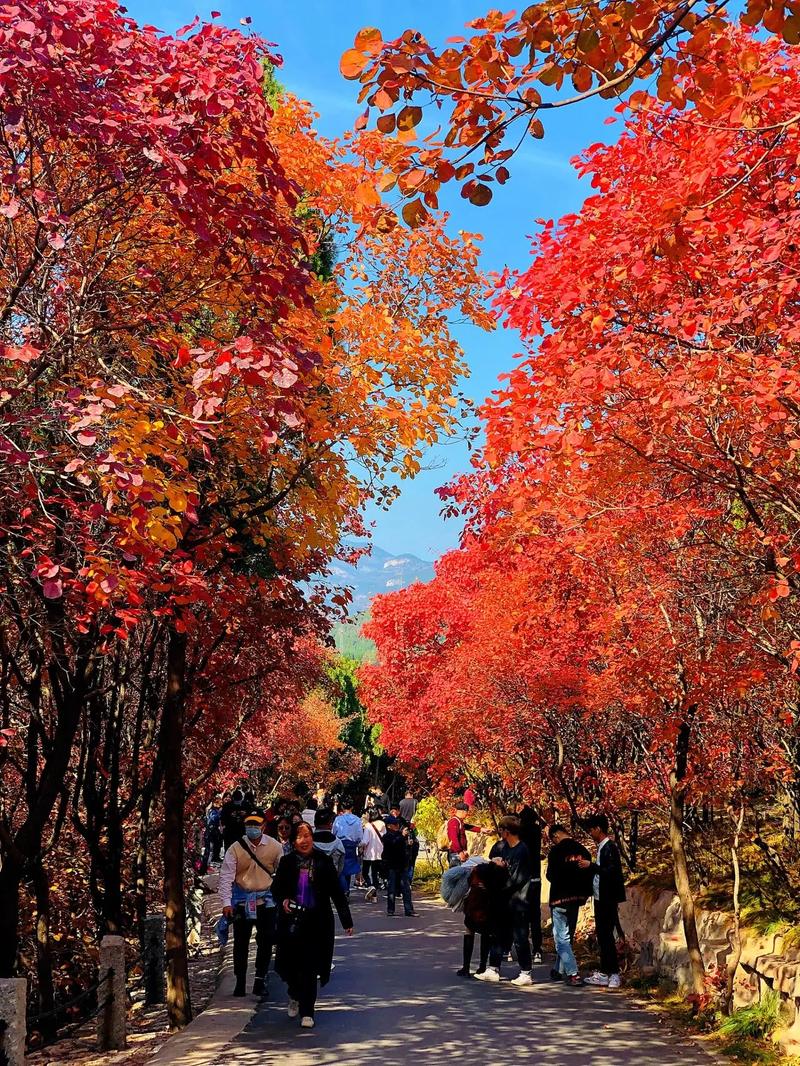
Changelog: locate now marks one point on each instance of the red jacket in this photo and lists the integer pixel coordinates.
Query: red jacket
(457, 834)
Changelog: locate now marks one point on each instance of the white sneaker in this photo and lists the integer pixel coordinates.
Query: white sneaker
(523, 980)
(294, 1008)
(490, 974)
(537, 958)
(614, 981)
(306, 1023)
(599, 980)
(371, 896)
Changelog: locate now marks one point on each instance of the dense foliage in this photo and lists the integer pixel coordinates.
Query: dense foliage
(216, 342)
(620, 626)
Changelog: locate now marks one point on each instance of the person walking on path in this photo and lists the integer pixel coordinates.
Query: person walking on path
(304, 888)
(284, 829)
(570, 887)
(457, 829)
(608, 889)
(232, 818)
(372, 856)
(212, 834)
(510, 853)
(325, 839)
(395, 863)
(408, 807)
(349, 830)
(245, 881)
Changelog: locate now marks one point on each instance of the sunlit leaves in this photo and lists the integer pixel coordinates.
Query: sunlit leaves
(490, 88)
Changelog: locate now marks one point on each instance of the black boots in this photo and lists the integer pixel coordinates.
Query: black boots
(239, 989)
(260, 988)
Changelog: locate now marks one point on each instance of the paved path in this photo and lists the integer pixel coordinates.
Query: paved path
(394, 1000)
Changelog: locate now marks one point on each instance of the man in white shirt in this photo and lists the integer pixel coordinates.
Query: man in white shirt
(245, 880)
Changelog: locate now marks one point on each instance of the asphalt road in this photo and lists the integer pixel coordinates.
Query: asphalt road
(394, 1000)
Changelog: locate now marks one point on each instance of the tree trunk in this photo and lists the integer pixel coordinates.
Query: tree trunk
(140, 878)
(171, 744)
(680, 864)
(736, 946)
(44, 956)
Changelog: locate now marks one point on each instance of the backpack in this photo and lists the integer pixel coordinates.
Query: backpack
(442, 837)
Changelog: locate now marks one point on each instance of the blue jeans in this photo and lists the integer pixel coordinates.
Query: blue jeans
(565, 919)
(398, 883)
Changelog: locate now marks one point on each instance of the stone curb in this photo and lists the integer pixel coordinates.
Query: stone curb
(205, 1038)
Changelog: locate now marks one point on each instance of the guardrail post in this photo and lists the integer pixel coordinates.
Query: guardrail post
(111, 995)
(153, 958)
(12, 1020)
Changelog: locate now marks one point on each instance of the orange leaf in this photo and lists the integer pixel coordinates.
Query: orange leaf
(414, 213)
(367, 195)
(352, 64)
(369, 40)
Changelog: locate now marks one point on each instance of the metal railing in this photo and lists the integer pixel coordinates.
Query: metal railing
(67, 1028)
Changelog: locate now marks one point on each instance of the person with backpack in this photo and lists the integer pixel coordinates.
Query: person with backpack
(349, 830)
(326, 841)
(455, 835)
(570, 887)
(245, 881)
(395, 863)
(608, 889)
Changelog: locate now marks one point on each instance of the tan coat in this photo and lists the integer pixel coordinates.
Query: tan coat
(249, 876)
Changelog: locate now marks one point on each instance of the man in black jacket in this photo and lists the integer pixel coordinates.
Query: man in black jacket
(570, 887)
(531, 825)
(608, 885)
(396, 852)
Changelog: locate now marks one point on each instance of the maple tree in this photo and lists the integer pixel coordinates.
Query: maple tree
(461, 112)
(620, 623)
(195, 404)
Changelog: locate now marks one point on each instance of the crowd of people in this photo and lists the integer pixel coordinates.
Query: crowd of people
(287, 865)
(501, 896)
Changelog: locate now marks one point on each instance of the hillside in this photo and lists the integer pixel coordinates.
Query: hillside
(378, 573)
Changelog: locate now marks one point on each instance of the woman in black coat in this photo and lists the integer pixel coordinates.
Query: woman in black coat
(304, 887)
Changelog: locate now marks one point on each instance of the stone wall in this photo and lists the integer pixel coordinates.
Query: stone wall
(652, 924)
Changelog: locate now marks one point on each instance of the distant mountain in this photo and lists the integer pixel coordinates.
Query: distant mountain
(373, 575)
(377, 573)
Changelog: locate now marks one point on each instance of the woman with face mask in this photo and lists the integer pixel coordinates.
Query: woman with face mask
(304, 888)
(245, 883)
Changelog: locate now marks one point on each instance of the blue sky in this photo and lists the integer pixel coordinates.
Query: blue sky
(311, 35)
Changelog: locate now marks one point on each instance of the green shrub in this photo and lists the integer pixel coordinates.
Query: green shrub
(758, 1020)
(429, 817)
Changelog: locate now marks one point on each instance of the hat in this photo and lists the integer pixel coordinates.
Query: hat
(391, 820)
(254, 817)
